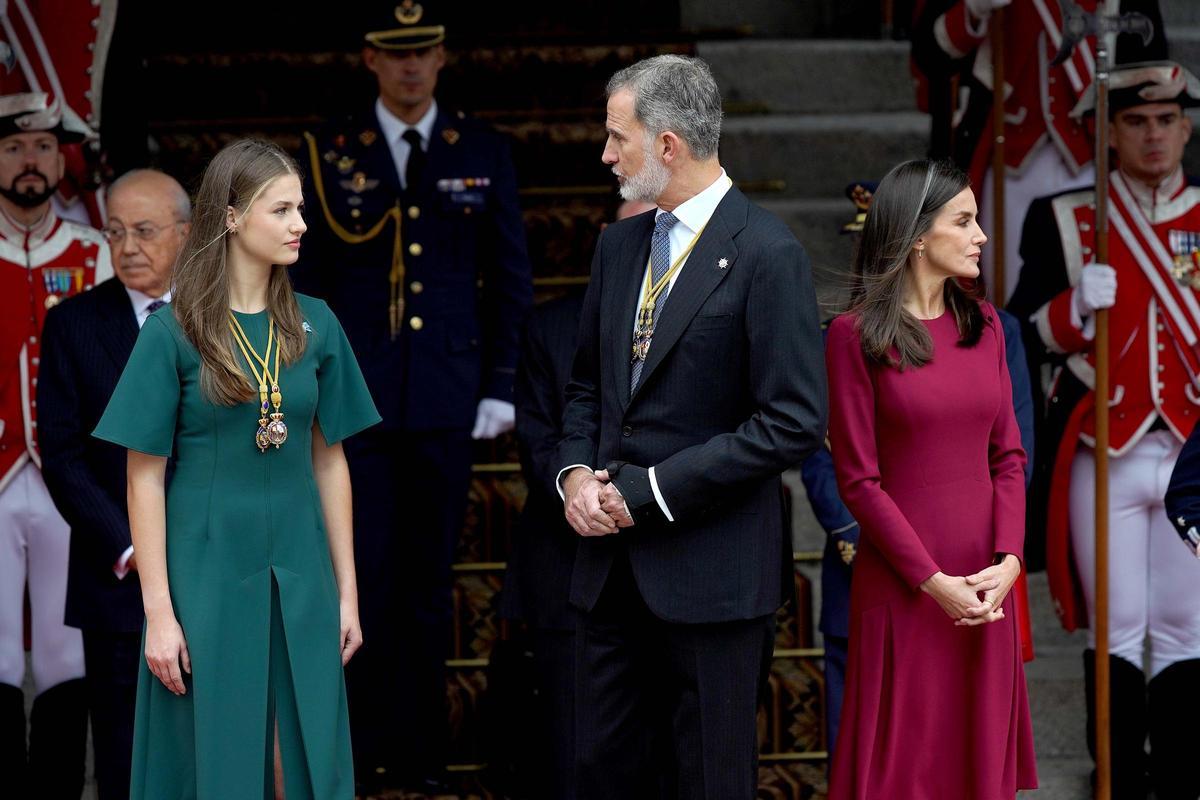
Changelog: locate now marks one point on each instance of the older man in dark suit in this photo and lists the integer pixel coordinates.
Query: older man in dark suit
(86, 342)
(699, 378)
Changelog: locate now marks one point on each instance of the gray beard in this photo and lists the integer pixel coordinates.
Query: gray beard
(648, 184)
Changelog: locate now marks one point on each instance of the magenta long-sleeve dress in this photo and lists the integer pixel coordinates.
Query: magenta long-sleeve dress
(929, 462)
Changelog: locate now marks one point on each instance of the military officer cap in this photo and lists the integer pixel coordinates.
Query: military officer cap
(34, 112)
(1132, 85)
(860, 193)
(406, 25)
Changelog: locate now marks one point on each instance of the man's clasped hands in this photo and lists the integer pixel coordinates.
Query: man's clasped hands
(594, 505)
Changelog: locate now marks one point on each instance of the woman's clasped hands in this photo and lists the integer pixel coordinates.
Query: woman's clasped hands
(974, 599)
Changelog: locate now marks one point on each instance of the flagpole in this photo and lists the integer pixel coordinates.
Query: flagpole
(999, 292)
(1102, 699)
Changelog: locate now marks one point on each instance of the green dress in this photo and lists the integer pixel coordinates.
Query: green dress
(249, 568)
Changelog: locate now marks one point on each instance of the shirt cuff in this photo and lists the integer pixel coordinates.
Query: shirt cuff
(659, 498)
(121, 568)
(1086, 327)
(562, 472)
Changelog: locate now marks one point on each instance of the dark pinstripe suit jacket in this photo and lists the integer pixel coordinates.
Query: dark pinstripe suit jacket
(732, 394)
(85, 344)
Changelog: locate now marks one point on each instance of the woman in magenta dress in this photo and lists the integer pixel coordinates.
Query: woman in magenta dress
(929, 461)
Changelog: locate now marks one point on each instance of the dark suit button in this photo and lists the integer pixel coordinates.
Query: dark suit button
(627, 431)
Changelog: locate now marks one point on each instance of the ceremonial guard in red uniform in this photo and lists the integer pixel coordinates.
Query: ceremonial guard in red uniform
(43, 259)
(1150, 288)
(61, 47)
(1045, 149)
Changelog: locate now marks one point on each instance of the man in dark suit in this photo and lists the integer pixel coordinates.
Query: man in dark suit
(85, 344)
(699, 378)
(538, 579)
(416, 241)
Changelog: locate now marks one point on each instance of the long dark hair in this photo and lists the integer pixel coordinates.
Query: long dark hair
(234, 178)
(902, 211)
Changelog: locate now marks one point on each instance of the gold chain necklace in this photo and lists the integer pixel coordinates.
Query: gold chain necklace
(273, 432)
(644, 331)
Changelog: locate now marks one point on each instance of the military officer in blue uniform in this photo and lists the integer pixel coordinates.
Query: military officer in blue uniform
(416, 241)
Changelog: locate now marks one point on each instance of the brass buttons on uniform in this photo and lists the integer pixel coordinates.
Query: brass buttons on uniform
(415, 249)
(416, 323)
(356, 212)
(413, 212)
(416, 287)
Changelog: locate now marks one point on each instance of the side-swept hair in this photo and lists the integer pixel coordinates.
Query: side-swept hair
(677, 94)
(200, 298)
(903, 210)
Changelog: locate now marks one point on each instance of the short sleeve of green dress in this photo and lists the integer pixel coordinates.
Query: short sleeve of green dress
(344, 405)
(142, 412)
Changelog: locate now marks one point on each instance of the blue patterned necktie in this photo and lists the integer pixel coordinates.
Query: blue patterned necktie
(155, 305)
(660, 262)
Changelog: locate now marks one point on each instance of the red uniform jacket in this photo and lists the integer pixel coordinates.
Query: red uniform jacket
(38, 268)
(1039, 96)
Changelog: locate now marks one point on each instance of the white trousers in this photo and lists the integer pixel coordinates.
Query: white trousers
(34, 547)
(1153, 576)
(1044, 174)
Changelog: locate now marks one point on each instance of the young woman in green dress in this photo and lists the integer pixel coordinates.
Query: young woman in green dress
(245, 554)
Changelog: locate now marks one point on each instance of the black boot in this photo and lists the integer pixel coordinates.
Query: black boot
(1127, 724)
(1174, 709)
(12, 738)
(58, 741)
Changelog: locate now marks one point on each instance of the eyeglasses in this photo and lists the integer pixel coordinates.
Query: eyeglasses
(145, 232)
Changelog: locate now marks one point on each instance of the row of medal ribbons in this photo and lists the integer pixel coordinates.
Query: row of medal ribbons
(61, 281)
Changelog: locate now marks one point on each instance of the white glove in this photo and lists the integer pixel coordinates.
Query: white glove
(982, 9)
(493, 418)
(1097, 289)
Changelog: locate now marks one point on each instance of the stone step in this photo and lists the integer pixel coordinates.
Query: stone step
(817, 224)
(1061, 779)
(811, 76)
(817, 155)
(752, 17)
(1179, 12)
(1184, 42)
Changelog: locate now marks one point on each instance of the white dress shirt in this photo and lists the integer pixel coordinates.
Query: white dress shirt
(393, 129)
(693, 214)
(141, 312)
(141, 303)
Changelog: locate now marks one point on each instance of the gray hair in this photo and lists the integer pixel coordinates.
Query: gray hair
(181, 205)
(677, 94)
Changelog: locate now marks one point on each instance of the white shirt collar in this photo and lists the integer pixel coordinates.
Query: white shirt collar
(1150, 197)
(141, 301)
(695, 212)
(393, 128)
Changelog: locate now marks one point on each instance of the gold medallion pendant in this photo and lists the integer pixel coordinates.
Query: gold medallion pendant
(272, 430)
(276, 428)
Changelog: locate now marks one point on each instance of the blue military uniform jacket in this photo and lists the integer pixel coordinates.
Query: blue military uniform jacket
(431, 283)
(1183, 493)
